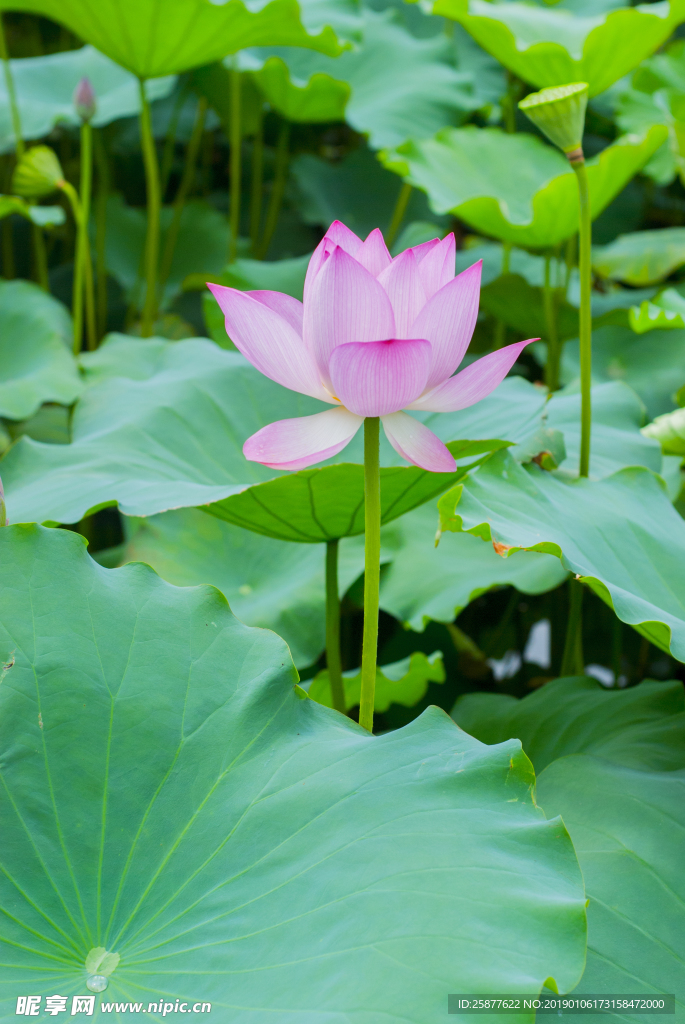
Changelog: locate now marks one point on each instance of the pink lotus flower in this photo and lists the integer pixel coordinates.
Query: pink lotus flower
(374, 336)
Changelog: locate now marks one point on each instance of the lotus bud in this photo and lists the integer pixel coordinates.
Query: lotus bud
(37, 174)
(84, 100)
(669, 431)
(559, 112)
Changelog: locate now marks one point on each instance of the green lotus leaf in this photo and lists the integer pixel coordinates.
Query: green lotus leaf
(641, 257)
(271, 583)
(390, 88)
(357, 190)
(649, 316)
(184, 34)
(627, 829)
(36, 364)
(44, 216)
(637, 112)
(423, 583)
(652, 363)
(277, 830)
(45, 92)
(167, 432)
(640, 727)
(403, 682)
(554, 47)
(515, 187)
(621, 535)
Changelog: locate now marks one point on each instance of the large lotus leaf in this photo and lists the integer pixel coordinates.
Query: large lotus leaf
(390, 88)
(244, 845)
(201, 245)
(424, 583)
(45, 92)
(151, 441)
(627, 828)
(36, 364)
(652, 364)
(403, 682)
(553, 47)
(617, 441)
(357, 190)
(515, 187)
(151, 39)
(641, 257)
(640, 727)
(636, 112)
(268, 582)
(621, 535)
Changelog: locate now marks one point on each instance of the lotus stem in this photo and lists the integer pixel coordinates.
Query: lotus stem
(77, 287)
(333, 660)
(552, 365)
(572, 662)
(278, 189)
(101, 233)
(170, 137)
(500, 326)
(187, 179)
(372, 567)
(83, 238)
(585, 267)
(236, 142)
(40, 259)
(398, 214)
(257, 183)
(154, 201)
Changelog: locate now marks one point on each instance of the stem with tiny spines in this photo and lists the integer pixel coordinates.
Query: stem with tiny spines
(398, 213)
(333, 660)
(585, 268)
(372, 568)
(101, 232)
(572, 662)
(187, 178)
(236, 142)
(77, 288)
(154, 202)
(83, 239)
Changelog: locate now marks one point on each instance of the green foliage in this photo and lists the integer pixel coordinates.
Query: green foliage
(403, 682)
(185, 34)
(641, 727)
(514, 187)
(650, 363)
(45, 88)
(642, 257)
(239, 813)
(390, 88)
(424, 582)
(669, 431)
(612, 533)
(554, 47)
(627, 829)
(36, 364)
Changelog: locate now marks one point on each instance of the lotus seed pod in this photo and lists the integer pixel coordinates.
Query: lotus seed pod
(37, 174)
(559, 112)
(84, 100)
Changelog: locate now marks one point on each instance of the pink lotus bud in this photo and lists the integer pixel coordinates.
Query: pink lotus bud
(84, 100)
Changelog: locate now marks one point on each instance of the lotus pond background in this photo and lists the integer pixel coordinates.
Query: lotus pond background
(176, 787)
